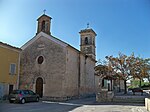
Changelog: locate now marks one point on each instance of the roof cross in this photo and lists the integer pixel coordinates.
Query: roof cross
(44, 11)
(88, 25)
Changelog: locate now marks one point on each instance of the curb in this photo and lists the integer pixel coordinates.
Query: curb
(3, 101)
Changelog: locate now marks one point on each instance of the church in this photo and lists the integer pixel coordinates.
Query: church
(53, 68)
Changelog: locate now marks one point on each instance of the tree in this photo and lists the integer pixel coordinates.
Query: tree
(129, 67)
(122, 65)
(125, 68)
(141, 68)
(146, 68)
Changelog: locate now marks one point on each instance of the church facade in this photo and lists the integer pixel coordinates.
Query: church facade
(53, 68)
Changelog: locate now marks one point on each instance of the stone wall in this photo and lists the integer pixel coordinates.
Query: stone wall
(66, 72)
(80, 74)
(71, 81)
(87, 78)
(105, 96)
(98, 84)
(52, 70)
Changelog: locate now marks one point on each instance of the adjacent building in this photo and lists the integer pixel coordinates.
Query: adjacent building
(9, 68)
(107, 80)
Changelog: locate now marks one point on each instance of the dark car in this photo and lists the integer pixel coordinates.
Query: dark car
(137, 90)
(22, 96)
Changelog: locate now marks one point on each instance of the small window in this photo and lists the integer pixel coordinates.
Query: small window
(12, 69)
(40, 59)
(86, 40)
(43, 25)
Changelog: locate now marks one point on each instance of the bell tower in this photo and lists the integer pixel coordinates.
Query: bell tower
(87, 42)
(44, 23)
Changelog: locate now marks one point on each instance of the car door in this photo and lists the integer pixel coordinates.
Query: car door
(26, 95)
(32, 95)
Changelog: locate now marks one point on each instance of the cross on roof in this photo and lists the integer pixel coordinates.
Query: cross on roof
(44, 11)
(88, 25)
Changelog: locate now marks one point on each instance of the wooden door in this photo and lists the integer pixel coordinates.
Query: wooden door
(39, 86)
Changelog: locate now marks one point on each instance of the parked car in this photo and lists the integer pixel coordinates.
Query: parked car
(137, 90)
(22, 96)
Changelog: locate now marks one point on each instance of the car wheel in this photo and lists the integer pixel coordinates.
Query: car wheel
(23, 101)
(37, 99)
(10, 101)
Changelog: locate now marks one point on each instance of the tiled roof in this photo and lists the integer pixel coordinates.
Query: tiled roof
(9, 46)
(45, 16)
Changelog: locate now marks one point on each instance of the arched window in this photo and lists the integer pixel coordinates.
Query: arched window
(40, 59)
(43, 25)
(86, 40)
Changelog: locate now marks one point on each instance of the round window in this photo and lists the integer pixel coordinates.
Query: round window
(40, 59)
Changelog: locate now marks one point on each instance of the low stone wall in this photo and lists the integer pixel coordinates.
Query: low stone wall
(147, 104)
(48, 98)
(59, 98)
(128, 98)
(105, 96)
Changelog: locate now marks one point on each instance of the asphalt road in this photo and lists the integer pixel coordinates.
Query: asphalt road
(81, 105)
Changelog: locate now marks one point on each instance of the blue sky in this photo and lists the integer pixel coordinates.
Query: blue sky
(121, 25)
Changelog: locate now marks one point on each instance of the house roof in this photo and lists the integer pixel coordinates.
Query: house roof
(9, 46)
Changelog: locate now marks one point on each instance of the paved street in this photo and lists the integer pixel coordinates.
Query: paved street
(82, 105)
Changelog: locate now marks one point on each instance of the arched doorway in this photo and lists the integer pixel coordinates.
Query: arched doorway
(39, 86)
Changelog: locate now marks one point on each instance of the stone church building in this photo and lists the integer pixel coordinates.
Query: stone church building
(53, 68)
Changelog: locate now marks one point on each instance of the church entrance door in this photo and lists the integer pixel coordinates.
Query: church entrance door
(39, 86)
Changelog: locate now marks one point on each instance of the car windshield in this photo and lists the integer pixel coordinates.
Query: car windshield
(16, 92)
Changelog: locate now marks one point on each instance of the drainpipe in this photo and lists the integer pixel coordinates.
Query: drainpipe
(18, 71)
(86, 91)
